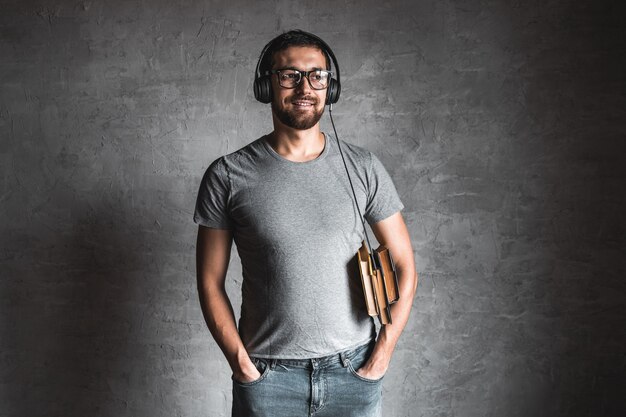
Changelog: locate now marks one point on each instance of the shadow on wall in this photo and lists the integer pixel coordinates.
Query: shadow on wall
(73, 322)
(574, 106)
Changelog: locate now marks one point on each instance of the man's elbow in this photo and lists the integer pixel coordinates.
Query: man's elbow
(409, 285)
(413, 279)
(210, 285)
(415, 282)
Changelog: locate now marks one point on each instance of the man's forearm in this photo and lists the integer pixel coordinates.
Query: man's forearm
(212, 257)
(393, 233)
(220, 319)
(400, 312)
(390, 333)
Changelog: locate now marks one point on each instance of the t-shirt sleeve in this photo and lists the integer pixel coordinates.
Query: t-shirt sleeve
(382, 198)
(212, 202)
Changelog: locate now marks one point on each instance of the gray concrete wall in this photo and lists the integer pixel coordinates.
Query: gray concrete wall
(501, 122)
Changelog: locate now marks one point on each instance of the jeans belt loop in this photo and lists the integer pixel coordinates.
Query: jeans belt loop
(344, 359)
(273, 364)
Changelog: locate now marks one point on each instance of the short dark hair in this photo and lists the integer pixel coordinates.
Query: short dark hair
(287, 40)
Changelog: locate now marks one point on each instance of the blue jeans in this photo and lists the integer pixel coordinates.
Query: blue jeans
(321, 387)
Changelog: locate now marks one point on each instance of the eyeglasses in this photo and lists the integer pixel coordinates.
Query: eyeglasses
(291, 78)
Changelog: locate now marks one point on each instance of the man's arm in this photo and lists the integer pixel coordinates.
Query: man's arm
(392, 232)
(212, 257)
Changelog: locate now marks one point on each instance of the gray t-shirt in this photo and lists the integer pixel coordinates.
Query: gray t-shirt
(297, 231)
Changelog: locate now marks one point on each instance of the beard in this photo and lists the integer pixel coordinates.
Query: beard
(296, 119)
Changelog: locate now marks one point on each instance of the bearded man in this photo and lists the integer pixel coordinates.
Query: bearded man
(305, 345)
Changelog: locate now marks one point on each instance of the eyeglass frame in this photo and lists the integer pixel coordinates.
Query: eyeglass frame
(303, 74)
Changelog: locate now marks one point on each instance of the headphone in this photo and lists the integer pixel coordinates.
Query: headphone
(263, 82)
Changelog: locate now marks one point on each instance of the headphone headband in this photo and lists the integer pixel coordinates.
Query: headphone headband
(262, 82)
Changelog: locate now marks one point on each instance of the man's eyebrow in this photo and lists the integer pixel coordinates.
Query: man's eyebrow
(298, 69)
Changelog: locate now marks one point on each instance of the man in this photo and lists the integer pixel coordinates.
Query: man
(305, 344)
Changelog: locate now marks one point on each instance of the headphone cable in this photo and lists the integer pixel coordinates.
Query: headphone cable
(330, 113)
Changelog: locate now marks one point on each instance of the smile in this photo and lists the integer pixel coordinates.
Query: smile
(302, 103)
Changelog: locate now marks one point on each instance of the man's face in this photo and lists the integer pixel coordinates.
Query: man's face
(300, 107)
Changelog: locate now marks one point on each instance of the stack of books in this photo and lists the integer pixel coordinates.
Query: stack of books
(380, 282)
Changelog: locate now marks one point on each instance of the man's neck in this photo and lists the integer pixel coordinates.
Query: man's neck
(297, 145)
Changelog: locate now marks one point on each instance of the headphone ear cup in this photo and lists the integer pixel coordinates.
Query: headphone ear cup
(263, 89)
(333, 91)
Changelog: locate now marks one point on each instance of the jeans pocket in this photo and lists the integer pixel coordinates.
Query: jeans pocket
(358, 360)
(361, 378)
(262, 366)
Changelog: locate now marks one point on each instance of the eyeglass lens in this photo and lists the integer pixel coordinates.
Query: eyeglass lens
(291, 78)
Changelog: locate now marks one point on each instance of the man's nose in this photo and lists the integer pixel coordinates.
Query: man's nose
(305, 85)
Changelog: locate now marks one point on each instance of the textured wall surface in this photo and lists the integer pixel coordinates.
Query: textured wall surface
(501, 122)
